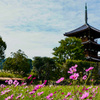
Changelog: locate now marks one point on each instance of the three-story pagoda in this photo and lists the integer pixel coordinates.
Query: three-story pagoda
(88, 35)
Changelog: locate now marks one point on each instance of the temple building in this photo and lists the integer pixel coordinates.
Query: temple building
(88, 35)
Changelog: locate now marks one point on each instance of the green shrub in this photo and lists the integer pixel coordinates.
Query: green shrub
(7, 74)
(82, 66)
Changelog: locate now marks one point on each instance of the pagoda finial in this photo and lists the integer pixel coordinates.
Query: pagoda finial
(86, 13)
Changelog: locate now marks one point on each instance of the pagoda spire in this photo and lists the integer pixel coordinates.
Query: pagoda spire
(86, 18)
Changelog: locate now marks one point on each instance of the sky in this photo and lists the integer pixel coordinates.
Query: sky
(37, 26)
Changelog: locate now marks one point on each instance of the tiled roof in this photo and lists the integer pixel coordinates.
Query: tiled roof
(80, 29)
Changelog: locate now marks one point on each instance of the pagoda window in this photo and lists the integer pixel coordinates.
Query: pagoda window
(81, 37)
(84, 36)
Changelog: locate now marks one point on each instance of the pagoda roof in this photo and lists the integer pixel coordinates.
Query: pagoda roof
(93, 59)
(89, 41)
(93, 44)
(83, 28)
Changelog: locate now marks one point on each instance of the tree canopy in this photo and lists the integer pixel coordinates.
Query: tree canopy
(70, 48)
(43, 67)
(3, 47)
(18, 63)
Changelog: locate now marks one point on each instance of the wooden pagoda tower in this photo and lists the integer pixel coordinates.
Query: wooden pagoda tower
(88, 35)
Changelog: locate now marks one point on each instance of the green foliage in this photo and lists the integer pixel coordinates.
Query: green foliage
(43, 68)
(17, 63)
(3, 47)
(70, 48)
(82, 66)
(7, 74)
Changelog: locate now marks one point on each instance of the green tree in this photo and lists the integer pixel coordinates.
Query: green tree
(70, 48)
(17, 63)
(3, 47)
(44, 67)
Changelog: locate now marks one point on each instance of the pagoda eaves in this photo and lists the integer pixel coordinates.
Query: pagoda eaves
(84, 28)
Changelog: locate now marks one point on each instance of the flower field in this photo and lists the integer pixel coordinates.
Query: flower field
(73, 91)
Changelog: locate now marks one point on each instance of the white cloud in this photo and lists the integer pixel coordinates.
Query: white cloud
(36, 26)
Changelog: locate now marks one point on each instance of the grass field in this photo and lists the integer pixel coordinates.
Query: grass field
(13, 90)
(51, 92)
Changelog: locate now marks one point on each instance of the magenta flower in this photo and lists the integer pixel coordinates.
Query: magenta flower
(6, 81)
(50, 95)
(74, 66)
(10, 82)
(9, 97)
(72, 69)
(5, 91)
(40, 93)
(19, 96)
(29, 77)
(74, 76)
(60, 80)
(34, 78)
(38, 86)
(84, 77)
(15, 82)
(32, 92)
(45, 82)
(68, 94)
(2, 85)
(85, 95)
(89, 69)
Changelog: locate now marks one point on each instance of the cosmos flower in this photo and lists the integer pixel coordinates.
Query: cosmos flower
(89, 69)
(68, 94)
(72, 69)
(60, 80)
(40, 93)
(45, 82)
(29, 76)
(32, 92)
(74, 76)
(50, 95)
(85, 95)
(19, 96)
(10, 82)
(84, 77)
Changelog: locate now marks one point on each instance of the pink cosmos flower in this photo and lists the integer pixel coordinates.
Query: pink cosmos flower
(45, 82)
(71, 99)
(34, 78)
(68, 94)
(5, 91)
(38, 87)
(9, 97)
(15, 82)
(29, 77)
(89, 69)
(32, 92)
(40, 93)
(74, 76)
(60, 80)
(6, 81)
(85, 95)
(72, 69)
(10, 82)
(2, 85)
(74, 66)
(23, 83)
(19, 96)
(33, 95)
(50, 95)
(84, 77)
